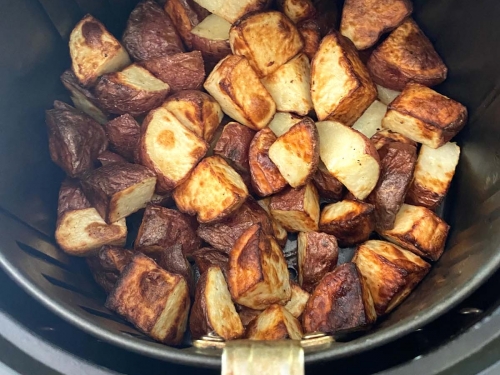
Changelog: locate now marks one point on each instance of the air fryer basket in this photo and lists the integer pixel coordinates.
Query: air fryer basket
(33, 46)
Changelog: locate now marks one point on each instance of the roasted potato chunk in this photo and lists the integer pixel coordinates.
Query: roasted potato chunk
(419, 230)
(297, 10)
(124, 134)
(197, 111)
(350, 157)
(119, 189)
(398, 164)
(83, 99)
(310, 32)
(224, 234)
(280, 234)
(350, 221)
(169, 148)
(152, 299)
(266, 177)
(185, 14)
(406, 56)
(75, 139)
(182, 71)
(370, 121)
(385, 136)
(296, 153)
(207, 257)
(341, 88)
(290, 86)
(340, 303)
(283, 122)
(134, 90)
(150, 33)
(173, 260)
(94, 51)
(234, 146)
(386, 95)
(213, 191)
(297, 210)
(108, 157)
(162, 228)
(391, 272)
(317, 255)
(235, 85)
(328, 186)
(232, 10)
(247, 315)
(433, 174)
(211, 37)
(274, 323)
(364, 21)
(213, 310)
(258, 275)
(107, 265)
(298, 301)
(425, 116)
(249, 37)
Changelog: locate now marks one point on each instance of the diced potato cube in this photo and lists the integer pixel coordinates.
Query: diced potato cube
(370, 121)
(386, 95)
(328, 186)
(232, 10)
(385, 136)
(107, 265)
(297, 10)
(124, 134)
(234, 146)
(274, 323)
(282, 122)
(298, 301)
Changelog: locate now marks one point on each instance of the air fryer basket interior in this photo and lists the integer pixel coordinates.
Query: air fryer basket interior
(33, 46)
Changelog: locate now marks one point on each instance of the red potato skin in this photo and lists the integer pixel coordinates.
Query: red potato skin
(124, 134)
(108, 264)
(185, 15)
(234, 146)
(207, 257)
(108, 157)
(71, 197)
(173, 260)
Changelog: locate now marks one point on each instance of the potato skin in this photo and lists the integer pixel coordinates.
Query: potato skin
(108, 157)
(311, 34)
(162, 228)
(207, 257)
(107, 265)
(124, 134)
(234, 146)
(397, 166)
(212, 51)
(75, 139)
(185, 15)
(328, 186)
(71, 197)
(385, 136)
(150, 33)
(181, 71)
(173, 260)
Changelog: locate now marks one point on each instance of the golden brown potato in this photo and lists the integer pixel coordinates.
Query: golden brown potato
(94, 51)
(266, 177)
(419, 230)
(107, 265)
(350, 221)
(182, 71)
(118, 190)
(232, 10)
(290, 86)
(317, 255)
(249, 37)
(224, 234)
(234, 146)
(282, 122)
(213, 310)
(296, 153)
(108, 157)
(124, 134)
(274, 323)
(162, 228)
(406, 56)
(280, 234)
(185, 15)
(298, 301)
(327, 185)
(150, 32)
(364, 21)
(341, 302)
(80, 230)
(213, 191)
(235, 85)
(152, 299)
(207, 257)
(341, 87)
(398, 163)
(297, 10)
(82, 98)
(311, 35)
(385, 136)
(134, 90)
(258, 274)
(297, 210)
(197, 111)
(391, 272)
(433, 174)
(211, 37)
(370, 121)
(75, 139)
(169, 148)
(386, 95)
(350, 157)
(425, 116)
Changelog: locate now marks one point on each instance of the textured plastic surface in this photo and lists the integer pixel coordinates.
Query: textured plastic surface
(33, 37)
